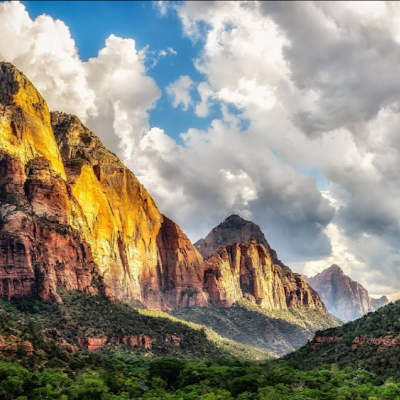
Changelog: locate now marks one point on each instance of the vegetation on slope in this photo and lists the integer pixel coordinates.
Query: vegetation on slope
(55, 372)
(371, 342)
(278, 331)
(82, 316)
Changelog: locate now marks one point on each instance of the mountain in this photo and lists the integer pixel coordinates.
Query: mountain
(234, 229)
(342, 296)
(142, 255)
(74, 217)
(240, 263)
(72, 214)
(248, 270)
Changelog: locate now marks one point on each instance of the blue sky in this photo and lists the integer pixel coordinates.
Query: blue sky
(92, 22)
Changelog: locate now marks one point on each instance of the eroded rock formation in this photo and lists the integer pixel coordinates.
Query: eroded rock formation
(342, 296)
(248, 270)
(93, 344)
(39, 249)
(234, 229)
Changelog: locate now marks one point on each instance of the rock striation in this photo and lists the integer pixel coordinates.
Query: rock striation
(73, 214)
(249, 270)
(234, 229)
(142, 255)
(344, 297)
(38, 247)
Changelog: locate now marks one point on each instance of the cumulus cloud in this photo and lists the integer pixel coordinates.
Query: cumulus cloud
(221, 171)
(111, 92)
(318, 81)
(179, 91)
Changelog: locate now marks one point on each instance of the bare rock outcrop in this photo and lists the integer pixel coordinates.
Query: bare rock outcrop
(248, 270)
(342, 296)
(234, 229)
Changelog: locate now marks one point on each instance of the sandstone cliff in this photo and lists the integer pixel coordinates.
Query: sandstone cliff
(141, 254)
(73, 214)
(234, 230)
(39, 249)
(342, 296)
(248, 270)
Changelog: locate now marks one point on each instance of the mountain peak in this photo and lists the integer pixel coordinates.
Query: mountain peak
(234, 218)
(334, 267)
(234, 229)
(344, 297)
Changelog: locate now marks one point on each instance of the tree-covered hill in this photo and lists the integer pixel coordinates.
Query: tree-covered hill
(119, 327)
(371, 342)
(37, 364)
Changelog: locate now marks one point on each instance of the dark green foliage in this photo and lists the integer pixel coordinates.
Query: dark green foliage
(53, 373)
(380, 359)
(82, 315)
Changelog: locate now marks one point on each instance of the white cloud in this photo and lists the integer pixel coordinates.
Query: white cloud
(161, 7)
(111, 92)
(305, 70)
(179, 91)
(172, 51)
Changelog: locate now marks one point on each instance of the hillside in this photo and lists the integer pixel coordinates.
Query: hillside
(95, 323)
(278, 332)
(371, 342)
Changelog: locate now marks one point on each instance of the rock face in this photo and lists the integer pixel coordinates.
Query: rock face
(181, 268)
(39, 248)
(72, 214)
(141, 254)
(342, 296)
(234, 230)
(93, 344)
(248, 270)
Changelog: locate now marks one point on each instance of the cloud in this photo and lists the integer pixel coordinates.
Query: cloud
(318, 82)
(111, 92)
(179, 91)
(161, 7)
(213, 175)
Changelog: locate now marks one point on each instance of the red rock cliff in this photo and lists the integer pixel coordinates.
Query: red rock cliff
(234, 230)
(39, 249)
(342, 296)
(142, 254)
(248, 269)
(73, 214)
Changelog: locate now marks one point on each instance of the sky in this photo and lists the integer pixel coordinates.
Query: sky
(285, 113)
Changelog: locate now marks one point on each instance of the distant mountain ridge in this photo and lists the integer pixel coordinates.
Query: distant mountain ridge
(344, 297)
